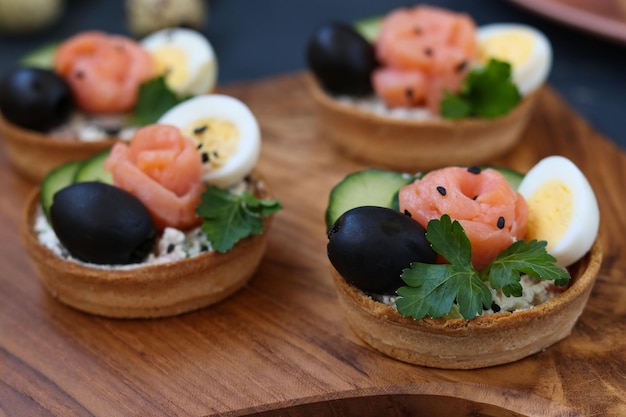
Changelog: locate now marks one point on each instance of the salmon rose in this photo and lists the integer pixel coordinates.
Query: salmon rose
(104, 71)
(424, 51)
(492, 214)
(163, 169)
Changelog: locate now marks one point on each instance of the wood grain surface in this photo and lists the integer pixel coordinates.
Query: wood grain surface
(280, 346)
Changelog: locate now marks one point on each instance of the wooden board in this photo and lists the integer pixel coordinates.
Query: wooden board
(281, 346)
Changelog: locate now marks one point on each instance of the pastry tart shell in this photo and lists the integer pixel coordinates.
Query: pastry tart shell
(468, 344)
(34, 154)
(150, 291)
(417, 145)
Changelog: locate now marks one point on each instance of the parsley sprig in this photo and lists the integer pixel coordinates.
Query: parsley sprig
(229, 217)
(153, 100)
(433, 289)
(487, 92)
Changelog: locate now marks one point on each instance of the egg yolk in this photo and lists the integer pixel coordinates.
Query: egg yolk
(217, 140)
(514, 47)
(172, 63)
(550, 210)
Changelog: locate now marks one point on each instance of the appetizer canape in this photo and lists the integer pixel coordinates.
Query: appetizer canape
(464, 267)
(71, 100)
(426, 88)
(170, 222)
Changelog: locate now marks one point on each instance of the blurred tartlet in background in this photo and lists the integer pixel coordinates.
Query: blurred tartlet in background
(20, 17)
(70, 100)
(146, 16)
(424, 87)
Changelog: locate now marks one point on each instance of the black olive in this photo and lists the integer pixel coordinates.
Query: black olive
(35, 98)
(370, 246)
(341, 59)
(102, 224)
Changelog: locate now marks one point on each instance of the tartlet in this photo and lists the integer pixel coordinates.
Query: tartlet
(61, 104)
(424, 87)
(484, 341)
(34, 154)
(150, 291)
(406, 144)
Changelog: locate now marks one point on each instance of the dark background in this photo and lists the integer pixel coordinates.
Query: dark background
(254, 39)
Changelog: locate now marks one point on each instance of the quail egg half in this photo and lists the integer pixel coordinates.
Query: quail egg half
(562, 208)
(226, 133)
(527, 50)
(185, 57)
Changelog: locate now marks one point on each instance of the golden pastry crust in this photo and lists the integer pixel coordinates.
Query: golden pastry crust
(150, 291)
(415, 145)
(34, 154)
(467, 344)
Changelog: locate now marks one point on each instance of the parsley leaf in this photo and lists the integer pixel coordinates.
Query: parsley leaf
(487, 92)
(527, 258)
(153, 100)
(432, 290)
(228, 217)
(449, 240)
(455, 107)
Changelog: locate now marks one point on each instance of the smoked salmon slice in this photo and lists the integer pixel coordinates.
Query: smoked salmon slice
(492, 214)
(437, 43)
(104, 71)
(163, 169)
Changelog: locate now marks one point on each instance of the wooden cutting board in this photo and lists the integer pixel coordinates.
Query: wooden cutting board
(280, 347)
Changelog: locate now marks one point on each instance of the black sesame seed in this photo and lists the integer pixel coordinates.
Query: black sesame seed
(200, 129)
(496, 308)
(215, 155)
(441, 190)
(475, 197)
(199, 145)
(407, 213)
(461, 66)
(428, 51)
(112, 130)
(474, 170)
(336, 227)
(204, 248)
(205, 157)
(170, 248)
(500, 222)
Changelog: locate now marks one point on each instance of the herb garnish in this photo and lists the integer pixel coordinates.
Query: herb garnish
(230, 217)
(434, 288)
(153, 100)
(487, 92)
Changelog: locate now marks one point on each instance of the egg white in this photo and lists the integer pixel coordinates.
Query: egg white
(584, 223)
(199, 63)
(533, 72)
(230, 109)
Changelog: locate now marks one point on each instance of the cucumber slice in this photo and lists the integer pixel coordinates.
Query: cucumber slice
(368, 27)
(42, 57)
(513, 177)
(93, 169)
(56, 179)
(371, 187)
